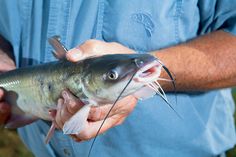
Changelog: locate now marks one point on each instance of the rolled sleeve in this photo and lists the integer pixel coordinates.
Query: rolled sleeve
(217, 15)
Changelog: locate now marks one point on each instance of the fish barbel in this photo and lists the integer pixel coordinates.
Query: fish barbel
(33, 91)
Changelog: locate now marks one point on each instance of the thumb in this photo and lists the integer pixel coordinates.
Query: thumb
(89, 48)
(75, 55)
(96, 48)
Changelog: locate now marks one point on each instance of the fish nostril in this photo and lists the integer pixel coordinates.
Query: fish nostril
(138, 62)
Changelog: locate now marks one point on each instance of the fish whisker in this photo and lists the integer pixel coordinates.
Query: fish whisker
(115, 102)
(159, 90)
(150, 85)
(164, 79)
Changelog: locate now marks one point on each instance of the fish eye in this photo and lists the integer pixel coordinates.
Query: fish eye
(112, 75)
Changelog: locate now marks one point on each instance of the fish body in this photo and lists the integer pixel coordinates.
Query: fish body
(36, 89)
(33, 91)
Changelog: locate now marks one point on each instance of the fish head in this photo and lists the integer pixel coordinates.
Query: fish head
(105, 77)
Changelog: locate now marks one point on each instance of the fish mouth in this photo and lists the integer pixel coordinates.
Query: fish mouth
(148, 73)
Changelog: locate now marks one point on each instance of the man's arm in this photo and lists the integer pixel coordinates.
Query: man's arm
(207, 62)
(204, 63)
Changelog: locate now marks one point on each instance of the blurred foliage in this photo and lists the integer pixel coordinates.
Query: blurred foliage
(11, 145)
(232, 152)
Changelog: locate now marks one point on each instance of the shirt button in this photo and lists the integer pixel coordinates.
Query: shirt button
(66, 152)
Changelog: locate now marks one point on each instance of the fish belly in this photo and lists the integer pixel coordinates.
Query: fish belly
(33, 91)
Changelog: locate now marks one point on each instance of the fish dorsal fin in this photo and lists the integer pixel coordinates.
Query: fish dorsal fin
(77, 122)
(59, 49)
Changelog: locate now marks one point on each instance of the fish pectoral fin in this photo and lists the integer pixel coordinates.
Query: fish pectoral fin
(144, 93)
(77, 122)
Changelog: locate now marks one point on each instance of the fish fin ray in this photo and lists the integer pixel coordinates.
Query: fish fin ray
(77, 122)
(144, 93)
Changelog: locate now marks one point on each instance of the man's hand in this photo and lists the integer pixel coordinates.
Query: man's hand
(5, 109)
(69, 105)
(6, 64)
(96, 48)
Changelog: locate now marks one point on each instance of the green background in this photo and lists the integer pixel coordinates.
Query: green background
(11, 146)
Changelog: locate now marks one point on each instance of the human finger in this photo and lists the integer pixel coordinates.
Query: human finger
(90, 131)
(124, 106)
(97, 113)
(68, 105)
(120, 115)
(1, 94)
(5, 110)
(89, 48)
(96, 48)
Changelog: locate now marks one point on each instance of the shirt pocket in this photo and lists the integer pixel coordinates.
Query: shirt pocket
(141, 25)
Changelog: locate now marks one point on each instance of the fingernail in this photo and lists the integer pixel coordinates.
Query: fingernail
(66, 97)
(74, 54)
(65, 94)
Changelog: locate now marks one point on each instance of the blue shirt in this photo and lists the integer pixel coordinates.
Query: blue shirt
(153, 129)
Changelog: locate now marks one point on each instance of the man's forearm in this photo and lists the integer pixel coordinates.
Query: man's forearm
(207, 62)
(6, 56)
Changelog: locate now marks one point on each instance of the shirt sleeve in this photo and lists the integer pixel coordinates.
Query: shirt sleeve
(10, 26)
(217, 15)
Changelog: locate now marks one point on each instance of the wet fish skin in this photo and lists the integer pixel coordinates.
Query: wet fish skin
(35, 90)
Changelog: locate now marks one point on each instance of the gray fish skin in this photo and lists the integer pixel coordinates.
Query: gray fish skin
(35, 90)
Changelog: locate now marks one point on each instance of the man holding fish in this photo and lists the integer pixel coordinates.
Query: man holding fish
(196, 42)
